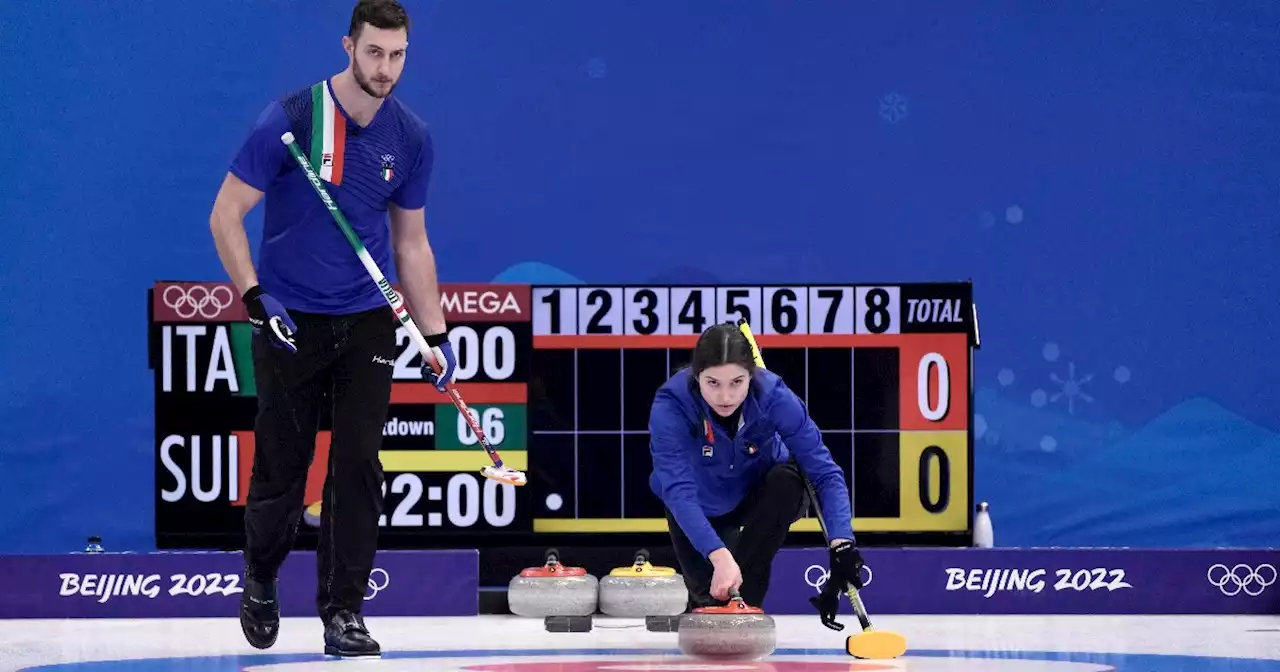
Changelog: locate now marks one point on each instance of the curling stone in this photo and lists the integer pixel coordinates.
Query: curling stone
(553, 590)
(735, 631)
(643, 590)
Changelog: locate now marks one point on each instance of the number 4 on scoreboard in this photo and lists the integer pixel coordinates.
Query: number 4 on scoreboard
(694, 309)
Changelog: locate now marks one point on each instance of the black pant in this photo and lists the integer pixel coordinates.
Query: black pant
(753, 533)
(344, 362)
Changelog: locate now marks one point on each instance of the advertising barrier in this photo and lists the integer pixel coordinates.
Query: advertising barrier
(199, 584)
(898, 581)
(1039, 581)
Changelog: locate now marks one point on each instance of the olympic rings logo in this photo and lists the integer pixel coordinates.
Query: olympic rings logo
(816, 576)
(1242, 578)
(197, 299)
(377, 585)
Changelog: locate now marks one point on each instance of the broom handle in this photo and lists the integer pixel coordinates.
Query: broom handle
(852, 591)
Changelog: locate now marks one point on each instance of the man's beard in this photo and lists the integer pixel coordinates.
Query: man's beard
(368, 85)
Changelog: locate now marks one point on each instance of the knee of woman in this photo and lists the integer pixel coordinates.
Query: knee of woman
(786, 477)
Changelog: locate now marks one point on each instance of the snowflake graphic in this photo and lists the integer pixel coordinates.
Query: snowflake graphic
(893, 107)
(597, 68)
(1067, 388)
(1071, 388)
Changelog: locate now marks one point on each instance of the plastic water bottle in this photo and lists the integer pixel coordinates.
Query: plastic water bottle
(95, 545)
(983, 535)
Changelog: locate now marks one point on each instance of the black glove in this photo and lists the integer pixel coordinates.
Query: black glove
(846, 570)
(267, 313)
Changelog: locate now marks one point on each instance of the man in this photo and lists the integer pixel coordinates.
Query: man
(323, 331)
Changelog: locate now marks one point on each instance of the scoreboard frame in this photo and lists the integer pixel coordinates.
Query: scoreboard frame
(515, 343)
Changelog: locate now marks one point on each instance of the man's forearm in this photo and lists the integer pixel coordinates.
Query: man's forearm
(416, 268)
(233, 249)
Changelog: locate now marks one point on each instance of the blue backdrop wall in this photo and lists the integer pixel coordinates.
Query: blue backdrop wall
(1107, 173)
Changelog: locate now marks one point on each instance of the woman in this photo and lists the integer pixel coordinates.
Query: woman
(729, 441)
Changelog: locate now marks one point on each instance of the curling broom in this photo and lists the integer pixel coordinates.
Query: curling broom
(497, 471)
(870, 643)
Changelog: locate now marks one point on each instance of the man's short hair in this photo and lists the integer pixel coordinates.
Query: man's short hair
(385, 14)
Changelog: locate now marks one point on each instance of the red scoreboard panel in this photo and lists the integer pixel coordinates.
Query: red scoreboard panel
(560, 379)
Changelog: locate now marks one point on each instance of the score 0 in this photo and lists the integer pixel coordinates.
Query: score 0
(934, 370)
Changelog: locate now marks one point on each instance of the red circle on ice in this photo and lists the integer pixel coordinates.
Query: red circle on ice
(678, 666)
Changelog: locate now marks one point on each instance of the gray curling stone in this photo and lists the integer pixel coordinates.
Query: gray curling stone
(642, 590)
(732, 632)
(553, 590)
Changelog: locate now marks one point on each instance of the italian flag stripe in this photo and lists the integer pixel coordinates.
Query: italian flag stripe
(328, 134)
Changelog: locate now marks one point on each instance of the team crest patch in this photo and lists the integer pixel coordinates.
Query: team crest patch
(388, 166)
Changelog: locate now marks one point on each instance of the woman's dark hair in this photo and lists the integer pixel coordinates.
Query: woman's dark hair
(722, 344)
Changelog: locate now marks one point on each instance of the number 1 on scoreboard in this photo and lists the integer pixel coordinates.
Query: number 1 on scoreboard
(555, 311)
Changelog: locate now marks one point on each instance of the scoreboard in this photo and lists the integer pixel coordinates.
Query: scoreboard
(560, 380)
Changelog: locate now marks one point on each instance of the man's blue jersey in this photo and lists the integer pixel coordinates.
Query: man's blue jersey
(304, 260)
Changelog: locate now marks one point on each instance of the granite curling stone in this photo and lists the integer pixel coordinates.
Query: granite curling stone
(643, 590)
(735, 631)
(553, 590)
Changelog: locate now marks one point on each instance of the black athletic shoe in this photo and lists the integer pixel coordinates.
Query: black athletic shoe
(345, 635)
(259, 612)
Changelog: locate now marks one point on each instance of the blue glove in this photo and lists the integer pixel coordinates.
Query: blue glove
(266, 312)
(445, 364)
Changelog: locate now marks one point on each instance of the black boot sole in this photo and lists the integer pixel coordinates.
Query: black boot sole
(253, 639)
(330, 650)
